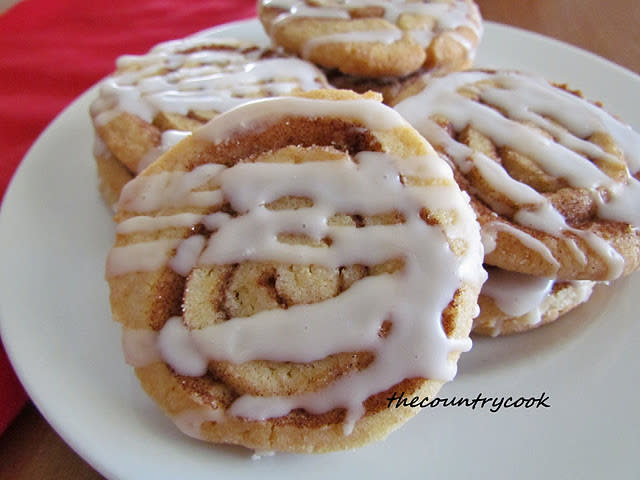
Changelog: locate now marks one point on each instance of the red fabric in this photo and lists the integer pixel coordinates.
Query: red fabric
(12, 395)
(53, 50)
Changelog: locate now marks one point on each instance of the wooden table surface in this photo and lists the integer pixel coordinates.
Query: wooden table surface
(30, 449)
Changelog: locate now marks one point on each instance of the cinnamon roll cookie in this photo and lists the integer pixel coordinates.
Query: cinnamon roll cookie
(154, 100)
(376, 38)
(515, 302)
(550, 174)
(285, 269)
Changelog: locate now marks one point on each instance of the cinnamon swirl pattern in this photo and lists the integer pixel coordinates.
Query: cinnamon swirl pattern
(152, 101)
(550, 174)
(280, 314)
(373, 38)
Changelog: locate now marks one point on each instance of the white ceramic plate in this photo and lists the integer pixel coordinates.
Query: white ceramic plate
(55, 233)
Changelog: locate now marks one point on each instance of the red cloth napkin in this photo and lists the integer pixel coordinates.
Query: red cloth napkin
(53, 50)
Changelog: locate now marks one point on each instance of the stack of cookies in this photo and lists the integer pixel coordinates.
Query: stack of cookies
(153, 101)
(551, 178)
(305, 230)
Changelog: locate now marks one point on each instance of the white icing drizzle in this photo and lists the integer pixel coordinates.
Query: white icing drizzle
(144, 223)
(491, 230)
(583, 289)
(268, 110)
(100, 148)
(179, 351)
(140, 257)
(190, 421)
(149, 224)
(523, 296)
(516, 294)
(177, 77)
(169, 139)
(140, 347)
(173, 79)
(302, 9)
(468, 45)
(577, 253)
(213, 221)
(532, 99)
(187, 255)
(148, 193)
(307, 332)
(246, 186)
(412, 298)
(448, 17)
(383, 36)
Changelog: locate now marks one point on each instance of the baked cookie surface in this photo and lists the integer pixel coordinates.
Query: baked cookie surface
(515, 302)
(283, 271)
(551, 175)
(370, 38)
(153, 100)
